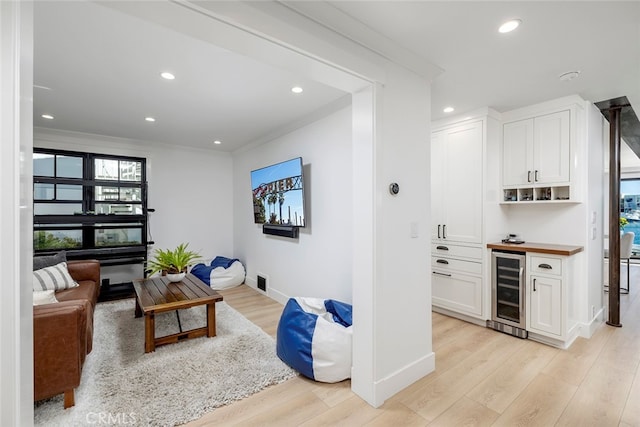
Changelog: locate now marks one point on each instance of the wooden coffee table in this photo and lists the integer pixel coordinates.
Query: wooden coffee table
(158, 294)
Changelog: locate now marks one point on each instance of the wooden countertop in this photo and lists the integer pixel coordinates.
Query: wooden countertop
(542, 248)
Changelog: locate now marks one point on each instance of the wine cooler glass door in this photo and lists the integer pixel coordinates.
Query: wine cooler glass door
(508, 288)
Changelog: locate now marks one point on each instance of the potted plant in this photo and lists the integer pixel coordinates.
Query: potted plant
(172, 263)
(623, 223)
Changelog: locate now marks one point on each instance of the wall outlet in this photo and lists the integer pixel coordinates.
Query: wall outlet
(262, 282)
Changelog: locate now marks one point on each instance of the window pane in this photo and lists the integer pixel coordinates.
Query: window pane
(43, 191)
(106, 193)
(106, 169)
(69, 192)
(56, 208)
(118, 209)
(42, 164)
(57, 239)
(130, 171)
(118, 237)
(69, 167)
(130, 194)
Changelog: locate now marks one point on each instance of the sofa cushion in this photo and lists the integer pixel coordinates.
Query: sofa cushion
(44, 297)
(85, 290)
(44, 261)
(55, 277)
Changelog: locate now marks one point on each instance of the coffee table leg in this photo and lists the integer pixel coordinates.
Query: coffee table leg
(138, 309)
(149, 332)
(211, 320)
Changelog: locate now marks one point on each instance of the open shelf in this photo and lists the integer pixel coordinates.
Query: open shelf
(551, 194)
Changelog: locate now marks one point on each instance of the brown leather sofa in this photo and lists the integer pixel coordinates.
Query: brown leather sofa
(63, 334)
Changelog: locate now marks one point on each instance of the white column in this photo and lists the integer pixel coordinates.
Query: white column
(392, 345)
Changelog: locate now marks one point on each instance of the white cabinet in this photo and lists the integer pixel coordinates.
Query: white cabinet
(548, 310)
(457, 291)
(456, 273)
(456, 183)
(536, 158)
(545, 305)
(465, 174)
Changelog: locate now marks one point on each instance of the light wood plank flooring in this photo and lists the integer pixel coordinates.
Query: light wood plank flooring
(482, 378)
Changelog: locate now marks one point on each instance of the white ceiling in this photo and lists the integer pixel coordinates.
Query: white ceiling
(102, 70)
(102, 66)
(485, 68)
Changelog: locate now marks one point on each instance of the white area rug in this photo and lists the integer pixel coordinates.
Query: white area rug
(121, 385)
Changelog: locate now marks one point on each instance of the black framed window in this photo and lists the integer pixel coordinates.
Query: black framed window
(89, 203)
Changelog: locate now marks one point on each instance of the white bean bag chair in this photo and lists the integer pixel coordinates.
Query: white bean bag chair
(221, 273)
(314, 338)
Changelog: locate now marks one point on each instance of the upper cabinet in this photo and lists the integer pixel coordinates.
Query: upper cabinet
(536, 151)
(456, 183)
(536, 158)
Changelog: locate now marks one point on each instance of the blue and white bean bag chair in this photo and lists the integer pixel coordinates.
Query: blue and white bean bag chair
(221, 273)
(314, 338)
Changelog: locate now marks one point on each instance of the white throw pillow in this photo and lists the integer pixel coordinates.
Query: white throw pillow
(44, 297)
(55, 278)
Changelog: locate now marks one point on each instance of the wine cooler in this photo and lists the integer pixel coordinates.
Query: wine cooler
(508, 293)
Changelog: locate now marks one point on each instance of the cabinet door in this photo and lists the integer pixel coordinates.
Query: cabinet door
(551, 148)
(463, 175)
(457, 292)
(545, 306)
(517, 153)
(438, 159)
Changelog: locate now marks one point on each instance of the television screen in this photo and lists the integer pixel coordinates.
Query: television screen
(278, 194)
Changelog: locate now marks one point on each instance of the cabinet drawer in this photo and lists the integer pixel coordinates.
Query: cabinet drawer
(445, 249)
(546, 265)
(448, 264)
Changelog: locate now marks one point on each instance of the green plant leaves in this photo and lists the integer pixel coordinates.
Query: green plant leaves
(172, 261)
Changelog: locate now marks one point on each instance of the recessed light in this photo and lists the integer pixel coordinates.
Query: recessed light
(296, 89)
(448, 110)
(569, 75)
(167, 75)
(217, 142)
(150, 119)
(509, 26)
(47, 116)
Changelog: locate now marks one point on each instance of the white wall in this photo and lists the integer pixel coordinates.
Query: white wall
(561, 224)
(16, 215)
(318, 263)
(188, 188)
(596, 225)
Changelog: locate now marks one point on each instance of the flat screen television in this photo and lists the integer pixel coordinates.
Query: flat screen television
(278, 194)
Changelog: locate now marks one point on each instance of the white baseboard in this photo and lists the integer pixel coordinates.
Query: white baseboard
(588, 329)
(278, 296)
(387, 387)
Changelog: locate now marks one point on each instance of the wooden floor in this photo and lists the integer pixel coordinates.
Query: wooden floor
(482, 378)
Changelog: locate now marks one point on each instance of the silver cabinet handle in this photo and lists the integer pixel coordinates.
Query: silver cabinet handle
(442, 248)
(444, 231)
(442, 261)
(545, 266)
(536, 177)
(528, 176)
(441, 274)
(438, 231)
(534, 285)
